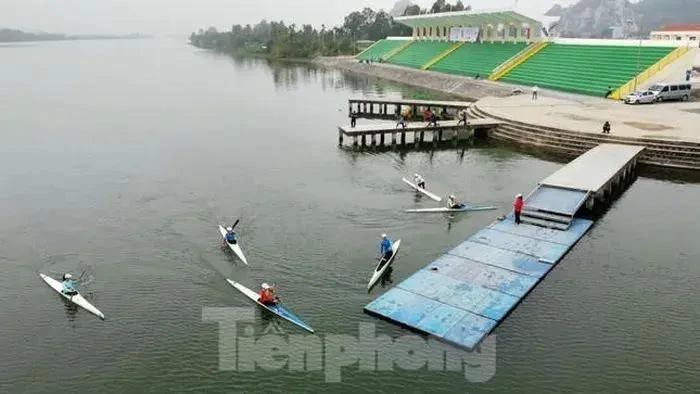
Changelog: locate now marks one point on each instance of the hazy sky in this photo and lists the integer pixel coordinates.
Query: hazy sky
(165, 17)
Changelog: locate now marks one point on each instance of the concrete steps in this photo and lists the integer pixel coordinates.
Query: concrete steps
(682, 155)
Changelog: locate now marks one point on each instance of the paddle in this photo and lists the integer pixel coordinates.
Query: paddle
(236, 223)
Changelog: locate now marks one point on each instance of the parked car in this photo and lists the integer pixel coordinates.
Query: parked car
(671, 91)
(646, 97)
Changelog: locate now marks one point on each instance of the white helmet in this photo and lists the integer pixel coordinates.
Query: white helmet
(229, 228)
(415, 175)
(383, 235)
(452, 196)
(265, 286)
(68, 276)
(518, 195)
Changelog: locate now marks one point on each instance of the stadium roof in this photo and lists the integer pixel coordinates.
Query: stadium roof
(475, 18)
(681, 27)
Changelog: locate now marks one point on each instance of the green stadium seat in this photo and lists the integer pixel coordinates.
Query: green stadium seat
(472, 58)
(585, 69)
(381, 49)
(420, 53)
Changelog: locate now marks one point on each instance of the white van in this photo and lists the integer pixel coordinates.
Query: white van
(671, 91)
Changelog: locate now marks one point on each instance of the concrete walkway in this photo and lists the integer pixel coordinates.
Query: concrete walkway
(669, 121)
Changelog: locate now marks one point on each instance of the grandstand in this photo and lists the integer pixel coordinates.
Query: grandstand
(420, 53)
(510, 46)
(585, 69)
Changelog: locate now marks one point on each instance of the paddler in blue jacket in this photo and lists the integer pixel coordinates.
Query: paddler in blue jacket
(230, 235)
(385, 247)
(68, 285)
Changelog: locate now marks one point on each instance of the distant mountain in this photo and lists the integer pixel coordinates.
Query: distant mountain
(595, 18)
(556, 10)
(12, 35)
(399, 8)
(598, 18)
(657, 13)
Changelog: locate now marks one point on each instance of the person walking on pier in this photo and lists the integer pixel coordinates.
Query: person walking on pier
(462, 117)
(433, 120)
(535, 89)
(518, 207)
(401, 122)
(353, 119)
(606, 127)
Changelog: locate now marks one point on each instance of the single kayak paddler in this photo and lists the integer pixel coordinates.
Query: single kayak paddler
(419, 181)
(452, 203)
(385, 247)
(267, 295)
(230, 234)
(68, 285)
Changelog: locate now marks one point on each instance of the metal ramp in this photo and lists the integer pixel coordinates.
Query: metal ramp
(552, 207)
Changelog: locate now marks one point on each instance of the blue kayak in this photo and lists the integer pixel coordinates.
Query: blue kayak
(277, 309)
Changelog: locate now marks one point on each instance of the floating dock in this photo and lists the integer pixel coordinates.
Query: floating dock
(447, 130)
(464, 294)
(389, 109)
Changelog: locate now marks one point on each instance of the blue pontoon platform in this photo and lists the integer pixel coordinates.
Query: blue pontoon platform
(465, 293)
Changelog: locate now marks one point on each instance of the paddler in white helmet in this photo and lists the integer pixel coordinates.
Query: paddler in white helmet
(452, 202)
(267, 295)
(68, 285)
(230, 234)
(420, 182)
(385, 247)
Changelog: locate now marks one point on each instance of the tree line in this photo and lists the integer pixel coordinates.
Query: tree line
(279, 40)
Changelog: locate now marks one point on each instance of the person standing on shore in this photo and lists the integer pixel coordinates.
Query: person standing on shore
(534, 93)
(518, 207)
(606, 127)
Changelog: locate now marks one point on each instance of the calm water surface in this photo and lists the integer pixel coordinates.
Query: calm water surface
(120, 158)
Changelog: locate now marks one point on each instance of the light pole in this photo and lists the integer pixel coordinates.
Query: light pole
(631, 23)
(639, 51)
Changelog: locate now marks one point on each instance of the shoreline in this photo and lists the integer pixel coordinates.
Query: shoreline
(558, 122)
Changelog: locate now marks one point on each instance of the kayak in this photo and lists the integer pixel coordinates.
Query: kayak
(420, 189)
(382, 265)
(466, 208)
(235, 247)
(277, 309)
(76, 299)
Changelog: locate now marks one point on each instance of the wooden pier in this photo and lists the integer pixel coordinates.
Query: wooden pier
(391, 134)
(390, 108)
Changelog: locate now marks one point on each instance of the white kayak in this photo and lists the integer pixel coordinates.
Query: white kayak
(420, 189)
(383, 264)
(235, 247)
(277, 309)
(465, 208)
(76, 299)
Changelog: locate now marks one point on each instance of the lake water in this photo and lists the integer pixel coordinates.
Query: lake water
(119, 159)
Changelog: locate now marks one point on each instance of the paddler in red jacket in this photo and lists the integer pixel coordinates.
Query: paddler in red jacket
(267, 295)
(518, 207)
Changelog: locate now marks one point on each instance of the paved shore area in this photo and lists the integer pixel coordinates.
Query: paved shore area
(670, 121)
(667, 121)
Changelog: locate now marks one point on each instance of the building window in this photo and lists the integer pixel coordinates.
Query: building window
(693, 38)
(430, 31)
